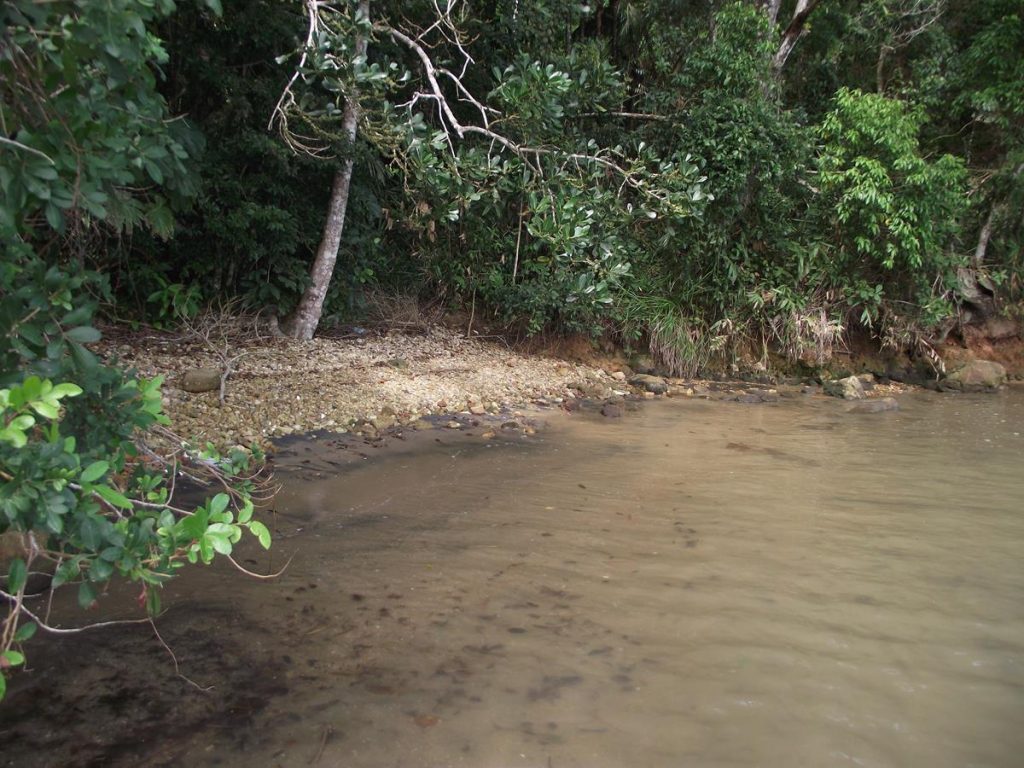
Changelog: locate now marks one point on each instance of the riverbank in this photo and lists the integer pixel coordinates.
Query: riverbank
(368, 383)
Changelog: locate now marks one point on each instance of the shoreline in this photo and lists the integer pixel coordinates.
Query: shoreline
(370, 386)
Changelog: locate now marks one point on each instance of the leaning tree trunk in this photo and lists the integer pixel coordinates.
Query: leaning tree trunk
(303, 321)
(794, 30)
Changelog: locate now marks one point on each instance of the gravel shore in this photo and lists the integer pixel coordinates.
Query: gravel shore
(359, 381)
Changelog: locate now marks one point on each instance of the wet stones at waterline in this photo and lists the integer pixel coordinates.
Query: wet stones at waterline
(649, 383)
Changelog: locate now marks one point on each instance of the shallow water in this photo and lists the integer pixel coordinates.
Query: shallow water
(696, 584)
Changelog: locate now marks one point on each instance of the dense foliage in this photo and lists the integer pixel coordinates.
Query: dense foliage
(88, 154)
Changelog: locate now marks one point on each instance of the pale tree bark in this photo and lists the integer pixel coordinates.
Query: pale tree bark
(794, 30)
(902, 22)
(303, 321)
(976, 289)
(771, 9)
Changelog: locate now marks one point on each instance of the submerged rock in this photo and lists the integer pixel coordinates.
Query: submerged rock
(878, 405)
(648, 383)
(611, 410)
(849, 388)
(975, 376)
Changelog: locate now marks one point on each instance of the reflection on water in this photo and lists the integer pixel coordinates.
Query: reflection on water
(696, 584)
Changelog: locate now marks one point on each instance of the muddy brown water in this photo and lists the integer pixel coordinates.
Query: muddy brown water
(695, 584)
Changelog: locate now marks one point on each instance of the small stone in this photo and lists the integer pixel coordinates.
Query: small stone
(619, 376)
(477, 409)
(510, 425)
(201, 379)
(488, 434)
(611, 410)
(384, 420)
(453, 425)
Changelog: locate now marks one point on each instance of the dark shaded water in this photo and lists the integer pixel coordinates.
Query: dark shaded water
(698, 584)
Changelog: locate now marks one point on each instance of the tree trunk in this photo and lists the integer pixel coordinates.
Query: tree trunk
(977, 290)
(771, 8)
(303, 321)
(794, 30)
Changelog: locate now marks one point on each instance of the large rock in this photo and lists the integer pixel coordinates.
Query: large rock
(975, 376)
(649, 383)
(998, 328)
(850, 388)
(201, 379)
(642, 364)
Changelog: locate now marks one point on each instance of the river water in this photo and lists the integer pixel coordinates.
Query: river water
(695, 584)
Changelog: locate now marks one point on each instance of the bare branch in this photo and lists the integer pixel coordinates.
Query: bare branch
(261, 576)
(174, 658)
(26, 148)
(280, 112)
(527, 154)
(68, 630)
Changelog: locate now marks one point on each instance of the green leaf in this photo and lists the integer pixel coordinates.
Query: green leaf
(101, 570)
(13, 658)
(16, 575)
(23, 422)
(259, 530)
(83, 357)
(113, 496)
(95, 471)
(86, 595)
(13, 436)
(245, 513)
(45, 409)
(161, 220)
(77, 316)
(25, 632)
(54, 217)
(219, 542)
(3, 686)
(84, 334)
(32, 334)
(218, 504)
(66, 390)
